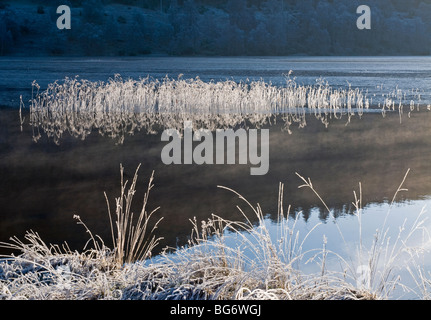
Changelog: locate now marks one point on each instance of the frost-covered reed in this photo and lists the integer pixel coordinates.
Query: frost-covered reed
(120, 107)
(259, 265)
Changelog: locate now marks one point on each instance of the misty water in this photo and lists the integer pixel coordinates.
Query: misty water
(43, 184)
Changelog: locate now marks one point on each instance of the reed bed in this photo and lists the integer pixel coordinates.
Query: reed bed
(119, 107)
(260, 265)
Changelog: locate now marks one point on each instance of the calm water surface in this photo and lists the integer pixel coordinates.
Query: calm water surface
(376, 74)
(43, 185)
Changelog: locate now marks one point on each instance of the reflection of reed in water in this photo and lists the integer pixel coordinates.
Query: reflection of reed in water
(121, 107)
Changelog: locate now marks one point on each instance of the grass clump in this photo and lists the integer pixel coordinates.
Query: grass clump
(229, 260)
(130, 238)
(119, 107)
